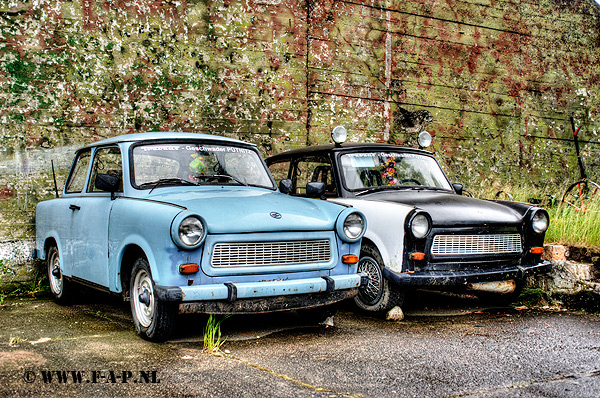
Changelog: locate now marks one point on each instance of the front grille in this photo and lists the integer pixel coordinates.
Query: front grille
(255, 254)
(451, 245)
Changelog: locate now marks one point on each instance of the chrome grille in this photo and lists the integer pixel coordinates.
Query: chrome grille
(255, 254)
(450, 245)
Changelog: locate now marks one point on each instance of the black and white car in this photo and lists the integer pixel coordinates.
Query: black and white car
(421, 230)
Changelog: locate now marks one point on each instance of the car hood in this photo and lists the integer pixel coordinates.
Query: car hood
(247, 209)
(449, 209)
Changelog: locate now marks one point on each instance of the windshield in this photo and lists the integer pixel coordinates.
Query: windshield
(363, 171)
(191, 163)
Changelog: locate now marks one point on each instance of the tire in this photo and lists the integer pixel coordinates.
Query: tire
(379, 295)
(153, 319)
(60, 288)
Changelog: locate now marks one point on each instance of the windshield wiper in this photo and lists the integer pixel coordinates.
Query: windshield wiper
(166, 181)
(217, 176)
(397, 187)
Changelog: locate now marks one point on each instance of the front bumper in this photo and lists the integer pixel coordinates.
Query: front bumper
(255, 297)
(456, 278)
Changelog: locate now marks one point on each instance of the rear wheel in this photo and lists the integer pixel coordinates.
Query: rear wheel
(153, 319)
(60, 287)
(379, 295)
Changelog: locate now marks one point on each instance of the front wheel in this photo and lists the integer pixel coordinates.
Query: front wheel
(379, 295)
(60, 287)
(153, 319)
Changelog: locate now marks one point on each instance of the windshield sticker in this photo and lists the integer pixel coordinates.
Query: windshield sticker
(195, 148)
(363, 161)
(161, 148)
(383, 155)
(228, 149)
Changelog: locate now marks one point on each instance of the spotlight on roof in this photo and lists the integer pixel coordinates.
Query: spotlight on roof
(339, 135)
(424, 139)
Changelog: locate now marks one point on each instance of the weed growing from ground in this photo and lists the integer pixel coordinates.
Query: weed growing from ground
(212, 333)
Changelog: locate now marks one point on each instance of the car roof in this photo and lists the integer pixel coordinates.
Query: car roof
(346, 147)
(165, 135)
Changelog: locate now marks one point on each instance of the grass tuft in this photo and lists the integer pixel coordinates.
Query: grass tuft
(212, 334)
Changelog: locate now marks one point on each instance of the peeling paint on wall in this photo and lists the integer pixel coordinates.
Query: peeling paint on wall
(493, 80)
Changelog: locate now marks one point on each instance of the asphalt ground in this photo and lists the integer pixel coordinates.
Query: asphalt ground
(447, 346)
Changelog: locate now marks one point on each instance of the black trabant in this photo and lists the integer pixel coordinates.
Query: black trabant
(421, 230)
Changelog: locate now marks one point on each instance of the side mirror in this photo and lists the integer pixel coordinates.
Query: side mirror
(286, 186)
(107, 183)
(315, 189)
(458, 188)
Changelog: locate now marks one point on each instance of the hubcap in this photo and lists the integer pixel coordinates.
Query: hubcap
(55, 276)
(372, 292)
(143, 298)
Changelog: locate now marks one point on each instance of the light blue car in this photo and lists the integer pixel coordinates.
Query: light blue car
(183, 223)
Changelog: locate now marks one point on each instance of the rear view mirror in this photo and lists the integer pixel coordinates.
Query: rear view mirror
(315, 189)
(458, 188)
(107, 183)
(286, 186)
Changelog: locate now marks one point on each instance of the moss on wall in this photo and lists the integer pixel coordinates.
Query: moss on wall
(493, 80)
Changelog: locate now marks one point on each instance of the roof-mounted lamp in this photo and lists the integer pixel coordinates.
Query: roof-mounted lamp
(424, 139)
(339, 135)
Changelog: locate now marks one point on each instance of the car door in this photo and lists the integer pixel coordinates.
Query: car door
(65, 214)
(90, 229)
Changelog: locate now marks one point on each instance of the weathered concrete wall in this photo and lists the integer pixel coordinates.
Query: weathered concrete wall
(493, 80)
(575, 278)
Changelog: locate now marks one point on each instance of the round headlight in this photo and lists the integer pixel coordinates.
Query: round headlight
(419, 226)
(539, 222)
(424, 139)
(191, 231)
(339, 134)
(353, 226)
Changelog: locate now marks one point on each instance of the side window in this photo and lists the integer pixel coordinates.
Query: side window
(280, 171)
(77, 177)
(314, 169)
(106, 161)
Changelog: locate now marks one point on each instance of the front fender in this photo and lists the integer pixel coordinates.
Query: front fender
(145, 224)
(115, 266)
(385, 227)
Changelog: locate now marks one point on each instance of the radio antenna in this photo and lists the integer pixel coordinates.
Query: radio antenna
(54, 177)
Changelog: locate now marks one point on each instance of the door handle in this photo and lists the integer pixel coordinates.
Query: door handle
(74, 207)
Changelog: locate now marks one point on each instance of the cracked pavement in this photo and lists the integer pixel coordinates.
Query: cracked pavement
(458, 349)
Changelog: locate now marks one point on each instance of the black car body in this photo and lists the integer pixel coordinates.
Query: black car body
(421, 230)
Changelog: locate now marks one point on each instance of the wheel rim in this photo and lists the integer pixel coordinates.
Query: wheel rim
(143, 285)
(56, 282)
(371, 293)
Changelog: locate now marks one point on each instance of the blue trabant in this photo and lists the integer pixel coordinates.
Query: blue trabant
(183, 222)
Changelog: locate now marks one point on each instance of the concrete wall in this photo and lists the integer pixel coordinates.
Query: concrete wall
(493, 80)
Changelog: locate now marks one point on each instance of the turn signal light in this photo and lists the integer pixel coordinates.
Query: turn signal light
(189, 268)
(536, 250)
(349, 259)
(417, 256)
